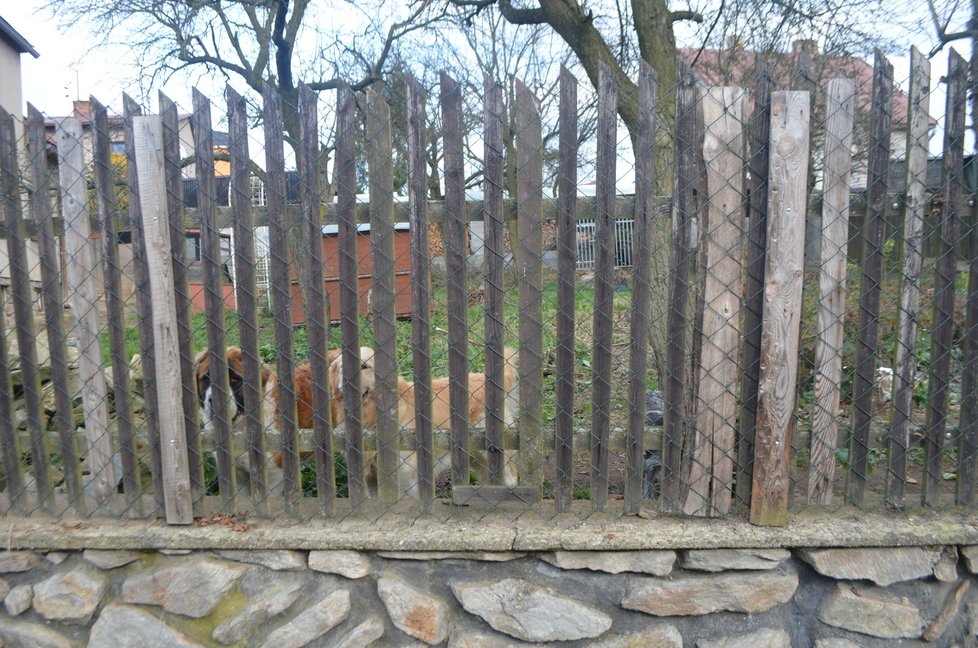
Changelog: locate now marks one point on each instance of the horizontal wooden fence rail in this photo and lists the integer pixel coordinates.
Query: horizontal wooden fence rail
(775, 340)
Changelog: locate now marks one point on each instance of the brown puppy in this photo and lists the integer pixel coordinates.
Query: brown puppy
(205, 396)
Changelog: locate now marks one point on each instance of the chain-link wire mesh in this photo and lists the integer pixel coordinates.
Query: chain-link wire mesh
(720, 298)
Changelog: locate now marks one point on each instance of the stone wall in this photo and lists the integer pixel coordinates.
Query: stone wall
(825, 597)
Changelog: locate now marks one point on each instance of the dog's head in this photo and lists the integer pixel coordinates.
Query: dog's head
(367, 377)
(205, 391)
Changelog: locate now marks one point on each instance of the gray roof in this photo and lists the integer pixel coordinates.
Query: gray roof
(10, 35)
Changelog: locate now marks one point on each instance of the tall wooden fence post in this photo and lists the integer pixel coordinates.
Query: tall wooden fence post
(148, 134)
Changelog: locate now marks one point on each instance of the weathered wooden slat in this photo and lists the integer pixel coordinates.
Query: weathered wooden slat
(566, 280)
(84, 301)
(782, 315)
(346, 190)
(173, 171)
(529, 187)
(760, 132)
(420, 291)
(870, 283)
(380, 170)
(148, 133)
(840, 110)
(495, 329)
(710, 480)
(246, 298)
(10, 197)
(904, 367)
(114, 308)
(942, 329)
(212, 264)
(967, 483)
(144, 306)
(54, 311)
(281, 297)
(645, 212)
(20, 294)
(315, 307)
(456, 252)
(673, 389)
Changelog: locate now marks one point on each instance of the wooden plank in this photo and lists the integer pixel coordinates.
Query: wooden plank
(675, 379)
(495, 329)
(782, 287)
(529, 187)
(20, 295)
(246, 298)
(10, 197)
(144, 307)
(904, 367)
(114, 309)
(211, 262)
(604, 268)
(840, 110)
(967, 483)
(645, 212)
(346, 190)
(148, 133)
(566, 280)
(84, 303)
(870, 282)
(456, 252)
(760, 133)
(316, 320)
(942, 328)
(173, 170)
(380, 172)
(281, 294)
(710, 479)
(420, 291)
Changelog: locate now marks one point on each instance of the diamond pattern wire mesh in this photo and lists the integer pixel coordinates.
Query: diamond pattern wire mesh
(445, 283)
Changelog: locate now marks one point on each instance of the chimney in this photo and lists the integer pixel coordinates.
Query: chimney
(806, 45)
(82, 109)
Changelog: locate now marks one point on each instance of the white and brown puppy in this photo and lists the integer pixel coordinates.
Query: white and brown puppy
(205, 390)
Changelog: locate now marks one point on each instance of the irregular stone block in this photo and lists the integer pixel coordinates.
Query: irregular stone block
(661, 636)
(883, 566)
(687, 595)
(311, 623)
(70, 596)
(476, 639)
(192, 587)
(18, 561)
(486, 556)
(350, 564)
(718, 560)
(835, 642)
(56, 557)
(414, 612)
(257, 614)
(530, 613)
(19, 600)
(125, 625)
(275, 560)
(952, 604)
(765, 638)
(109, 558)
(27, 634)
(970, 555)
(868, 611)
(363, 635)
(946, 569)
(658, 563)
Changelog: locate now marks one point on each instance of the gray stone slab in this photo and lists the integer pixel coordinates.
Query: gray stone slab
(764, 638)
(257, 613)
(311, 623)
(15, 633)
(658, 563)
(276, 560)
(718, 560)
(883, 566)
(363, 635)
(110, 559)
(70, 596)
(695, 594)
(662, 636)
(869, 611)
(18, 561)
(127, 625)
(19, 599)
(530, 613)
(191, 586)
(351, 564)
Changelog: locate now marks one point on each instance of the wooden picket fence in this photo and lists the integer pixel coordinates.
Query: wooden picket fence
(724, 442)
